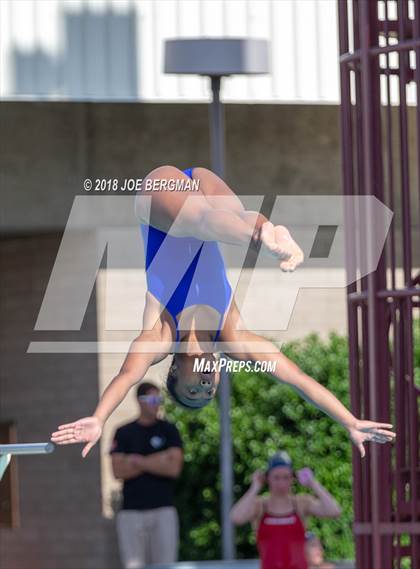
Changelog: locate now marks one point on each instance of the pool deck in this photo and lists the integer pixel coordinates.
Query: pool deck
(239, 564)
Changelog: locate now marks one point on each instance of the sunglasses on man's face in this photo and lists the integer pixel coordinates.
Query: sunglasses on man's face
(151, 399)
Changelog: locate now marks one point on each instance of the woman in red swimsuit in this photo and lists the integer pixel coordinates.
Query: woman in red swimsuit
(279, 519)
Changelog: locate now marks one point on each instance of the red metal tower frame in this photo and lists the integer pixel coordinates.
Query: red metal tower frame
(379, 59)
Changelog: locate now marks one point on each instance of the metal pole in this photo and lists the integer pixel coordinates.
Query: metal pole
(226, 468)
(217, 138)
(217, 128)
(370, 101)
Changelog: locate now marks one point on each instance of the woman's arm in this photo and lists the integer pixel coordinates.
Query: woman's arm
(288, 372)
(134, 368)
(324, 505)
(246, 508)
(132, 371)
(253, 347)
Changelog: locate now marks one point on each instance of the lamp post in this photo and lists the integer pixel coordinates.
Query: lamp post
(216, 58)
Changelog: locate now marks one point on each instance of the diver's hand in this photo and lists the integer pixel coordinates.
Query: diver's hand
(369, 431)
(87, 430)
(276, 241)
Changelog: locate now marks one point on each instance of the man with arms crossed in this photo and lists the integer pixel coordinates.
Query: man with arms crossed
(147, 455)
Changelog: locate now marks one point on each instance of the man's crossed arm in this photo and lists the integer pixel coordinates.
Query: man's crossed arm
(163, 463)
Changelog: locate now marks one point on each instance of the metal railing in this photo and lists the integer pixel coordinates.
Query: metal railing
(377, 160)
(7, 451)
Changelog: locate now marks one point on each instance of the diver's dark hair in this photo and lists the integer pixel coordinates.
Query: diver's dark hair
(171, 382)
(145, 387)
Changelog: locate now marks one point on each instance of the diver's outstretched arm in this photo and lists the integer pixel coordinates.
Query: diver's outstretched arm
(89, 429)
(308, 388)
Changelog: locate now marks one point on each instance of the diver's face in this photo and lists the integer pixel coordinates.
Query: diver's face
(196, 387)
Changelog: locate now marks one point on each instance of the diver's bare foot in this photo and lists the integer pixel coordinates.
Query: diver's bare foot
(277, 242)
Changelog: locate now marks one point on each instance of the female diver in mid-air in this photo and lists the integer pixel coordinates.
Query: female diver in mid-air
(189, 303)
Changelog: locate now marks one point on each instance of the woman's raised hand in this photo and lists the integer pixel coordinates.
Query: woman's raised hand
(305, 476)
(277, 242)
(258, 480)
(87, 430)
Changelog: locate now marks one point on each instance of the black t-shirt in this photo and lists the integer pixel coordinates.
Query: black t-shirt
(147, 491)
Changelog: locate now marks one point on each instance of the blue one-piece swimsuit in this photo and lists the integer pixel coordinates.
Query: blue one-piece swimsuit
(185, 271)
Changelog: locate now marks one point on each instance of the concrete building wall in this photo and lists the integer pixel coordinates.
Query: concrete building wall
(59, 494)
(48, 149)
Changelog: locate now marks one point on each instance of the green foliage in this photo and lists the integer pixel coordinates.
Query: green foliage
(268, 416)
(416, 346)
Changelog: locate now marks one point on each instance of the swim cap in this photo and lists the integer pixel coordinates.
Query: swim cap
(281, 458)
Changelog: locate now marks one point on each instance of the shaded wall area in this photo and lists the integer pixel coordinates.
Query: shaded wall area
(48, 149)
(61, 525)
